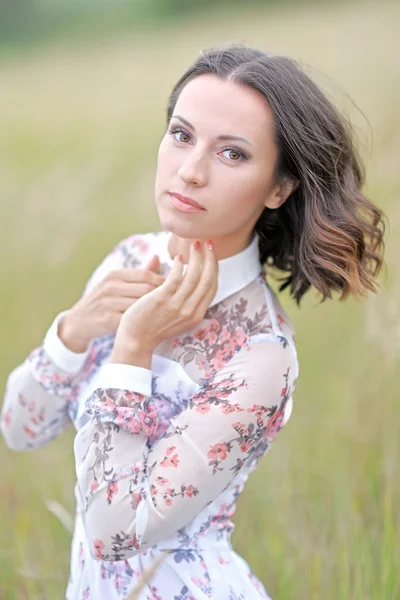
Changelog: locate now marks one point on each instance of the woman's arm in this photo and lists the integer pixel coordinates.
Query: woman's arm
(44, 390)
(134, 496)
(39, 393)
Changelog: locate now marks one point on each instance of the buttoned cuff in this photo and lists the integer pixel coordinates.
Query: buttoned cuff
(125, 377)
(63, 357)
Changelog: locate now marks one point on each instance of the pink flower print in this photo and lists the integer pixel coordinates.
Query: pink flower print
(133, 397)
(190, 491)
(228, 408)
(254, 581)
(199, 581)
(135, 499)
(201, 334)
(245, 446)
(211, 338)
(138, 467)
(218, 452)
(170, 460)
(200, 396)
(108, 405)
(7, 418)
(258, 409)
(86, 594)
(203, 408)
(94, 486)
(281, 320)
(112, 489)
(134, 542)
(98, 547)
(154, 592)
(274, 424)
(225, 335)
(30, 432)
(148, 420)
(214, 325)
(239, 337)
(162, 481)
(284, 392)
(141, 245)
(169, 492)
(239, 427)
(223, 355)
(168, 501)
(127, 419)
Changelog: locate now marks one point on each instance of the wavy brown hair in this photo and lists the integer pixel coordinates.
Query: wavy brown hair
(327, 234)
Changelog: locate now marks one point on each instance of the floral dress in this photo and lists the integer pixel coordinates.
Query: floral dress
(162, 454)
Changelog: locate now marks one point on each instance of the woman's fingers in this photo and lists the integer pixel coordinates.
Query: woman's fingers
(131, 276)
(128, 290)
(195, 290)
(193, 273)
(208, 283)
(174, 277)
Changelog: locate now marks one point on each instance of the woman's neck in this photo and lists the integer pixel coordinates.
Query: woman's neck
(223, 247)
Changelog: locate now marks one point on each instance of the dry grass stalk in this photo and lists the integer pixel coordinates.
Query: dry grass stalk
(146, 577)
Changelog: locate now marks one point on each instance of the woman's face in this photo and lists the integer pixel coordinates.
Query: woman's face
(232, 179)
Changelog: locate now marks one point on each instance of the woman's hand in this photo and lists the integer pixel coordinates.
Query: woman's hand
(99, 312)
(177, 305)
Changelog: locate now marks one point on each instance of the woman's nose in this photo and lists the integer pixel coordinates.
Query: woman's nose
(194, 170)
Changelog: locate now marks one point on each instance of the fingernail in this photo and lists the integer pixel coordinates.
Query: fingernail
(179, 257)
(210, 244)
(197, 245)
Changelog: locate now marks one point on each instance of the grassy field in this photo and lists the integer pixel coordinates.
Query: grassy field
(80, 127)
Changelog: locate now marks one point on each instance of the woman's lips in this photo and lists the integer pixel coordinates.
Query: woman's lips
(184, 206)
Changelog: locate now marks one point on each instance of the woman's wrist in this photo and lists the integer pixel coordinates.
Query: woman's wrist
(132, 352)
(70, 338)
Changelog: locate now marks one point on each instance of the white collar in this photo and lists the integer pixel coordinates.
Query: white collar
(234, 272)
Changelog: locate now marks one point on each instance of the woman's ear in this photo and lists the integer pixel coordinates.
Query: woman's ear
(280, 193)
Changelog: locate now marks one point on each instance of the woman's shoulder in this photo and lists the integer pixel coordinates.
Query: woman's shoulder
(259, 304)
(283, 318)
(139, 246)
(136, 248)
(130, 252)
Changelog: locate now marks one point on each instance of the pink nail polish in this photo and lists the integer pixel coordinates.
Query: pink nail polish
(210, 244)
(197, 245)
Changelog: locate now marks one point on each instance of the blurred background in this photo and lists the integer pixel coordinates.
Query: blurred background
(83, 92)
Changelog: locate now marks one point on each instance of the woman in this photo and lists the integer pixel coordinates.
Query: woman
(178, 364)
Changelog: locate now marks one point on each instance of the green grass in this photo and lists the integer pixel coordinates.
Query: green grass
(80, 127)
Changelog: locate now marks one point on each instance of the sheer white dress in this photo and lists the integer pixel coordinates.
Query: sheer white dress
(162, 454)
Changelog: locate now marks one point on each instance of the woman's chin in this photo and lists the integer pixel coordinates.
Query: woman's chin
(178, 226)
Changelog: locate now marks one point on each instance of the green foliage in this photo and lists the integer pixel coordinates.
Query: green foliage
(27, 22)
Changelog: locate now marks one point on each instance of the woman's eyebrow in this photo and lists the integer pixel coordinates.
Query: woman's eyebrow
(220, 137)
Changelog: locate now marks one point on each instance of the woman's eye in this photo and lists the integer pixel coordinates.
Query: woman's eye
(235, 155)
(181, 132)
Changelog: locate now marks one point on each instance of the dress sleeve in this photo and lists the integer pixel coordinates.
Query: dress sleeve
(135, 496)
(40, 391)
